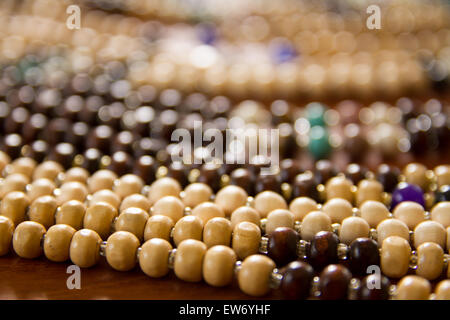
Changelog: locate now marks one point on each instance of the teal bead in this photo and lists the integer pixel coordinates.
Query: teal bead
(315, 113)
(319, 144)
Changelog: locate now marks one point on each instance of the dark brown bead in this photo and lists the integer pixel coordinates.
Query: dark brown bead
(280, 111)
(178, 171)
(145, 167)
(38, 150)
(220, 106)
(289, 169)
(282, 246)
(148, 146)
(144, 117)
(324, 171)
(363, 252)
(323, 249)
(209, 174)
(91, 159)
(165, 124)
(16, 119)
(72, 107)
(123, 142)
(334, 281)
(64, 154)
(13, 145)
(388, 176)
(121, 163)
(348, 111)
(243, 178)
(271, 182)
(77, 135)
(355, 172)
(56, 130)
(100, 138)
(5, 110)
(257, 163)
(89, 113)
(374, 287)
(33, 127)
(355, 143)
(305, 185)
(297, 279)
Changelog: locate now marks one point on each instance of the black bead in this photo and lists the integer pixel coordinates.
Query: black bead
(323, 249)
(363, 252)
(282, 246)
(388, 176)
(443, 194)
(297, 279)
(374, 287)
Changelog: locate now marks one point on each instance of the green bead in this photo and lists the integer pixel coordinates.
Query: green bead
(315, 113)
(319, 144)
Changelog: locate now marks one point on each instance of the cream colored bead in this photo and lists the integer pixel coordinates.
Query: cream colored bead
(154, 257)
(164, 187)
(392, 227)
(410, 213)
(43, 210)
(268, 201)
(244, 213)
(189, 260)
(368, 190)
(71, 213)
(48, 169)
(14, 206)
(395, 255)
(107, 196)
(337, 209)
(279, 218)
(196, 193)
(413, 288)
(132, 220)
(121, 249)
(314, 222)
(254, 275)
(301, 206)
(416, 173)
(246, 239)
(73, 190)
(4, 161)
(77, 174)
(447, 231)
(13, 182)
(189, 227)
(57, 242)
(429, 231)
(374, 212)
(127, 185)
(135, 200)
(430, 260)
(441, 213)
(40, 187)
(169, 206)
(85, 248)
(217, 231)
(27, 239)
(99, 218)
(218, 266)
(6, 234)
(339, 187)
(100, 180)
(353, 228)
(158, 227)
(230, 198)
(23, 165)
(208, 210)
(442, 174)
(443, 290)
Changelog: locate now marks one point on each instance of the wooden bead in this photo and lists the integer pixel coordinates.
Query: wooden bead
(158, 227)
(127, 185)
(196, 193)
(447, 231)
(368, 291)
(282, 246)
(353, 228)
(85, 248)
(135, 200)
(164, 187)
(338, 209)
(169, 206)
(132, 220)
(230, 198)
(6, 234)
(48, 169)
(323, 249)
(43, 210)
(154, 257)
(410, 213)
(334, 281)
(297, 279)
(314, 222)
(430, 260)
(40, 187)
(23, 165)
(429, 231)
(208, 210)
(102, 179)
(4, 160)
(189, 259)
(363, 253)
(217, 231)
(268, 201)
(373, 212)
(442, 174)
(413, 288)
(77, 174)
(392, 227)
(57, 242)
(395, 254)
(254, 276)
(27, 239)
(279, 218)
(13, 182)
(72, 191)
(441, 213)
(71, 213)
(99, 217)
(218, 266)
(244, 214)
(107, 196)
(416, 173)
(14, 206)
(246, 238)
(443, 290)
(368, 190)
(301, 206)
(121, 249)
(339, 187)
(188, 227)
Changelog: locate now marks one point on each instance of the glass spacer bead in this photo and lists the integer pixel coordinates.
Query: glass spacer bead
(275, 279)
(193, 175)
(373, 234)
(336, 227)
(161, 172)
(353, 288)
(171, 258)
(297, 226)
(342, 251)
(237, 267)
(250, 201)
(286, 190)
(263, 223)
(356, 212)
(303, 249)
(411, 236)
(41, 243)
(145, 190)
(427, 215)
(103, 248)
(138, 252)
(315, 287)
(446, 261)
(224, 180)
(413, 260)
(187, 211)
(263, 245)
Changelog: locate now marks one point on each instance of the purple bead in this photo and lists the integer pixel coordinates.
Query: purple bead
(407, 192)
